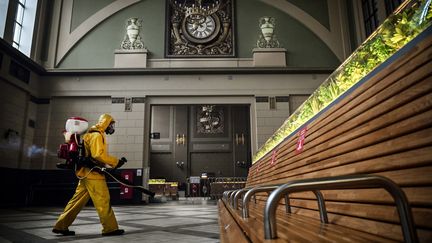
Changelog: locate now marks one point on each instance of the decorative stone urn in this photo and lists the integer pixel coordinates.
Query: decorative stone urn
(132, 38)
(267, 37)
(268, 51)
(132, 53)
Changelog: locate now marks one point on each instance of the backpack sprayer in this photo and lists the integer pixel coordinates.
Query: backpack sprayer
(73, 151)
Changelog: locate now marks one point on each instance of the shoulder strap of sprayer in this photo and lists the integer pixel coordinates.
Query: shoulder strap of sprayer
(86, 159)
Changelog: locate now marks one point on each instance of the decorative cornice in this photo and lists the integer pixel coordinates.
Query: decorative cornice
(188, 71)
(138, 99)
(118, 100)
(37, 68)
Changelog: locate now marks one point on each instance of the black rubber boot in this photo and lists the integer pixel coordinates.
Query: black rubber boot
(115, 232)
(63, 232)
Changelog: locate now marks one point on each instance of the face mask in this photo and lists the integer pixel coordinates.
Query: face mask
(110, 129)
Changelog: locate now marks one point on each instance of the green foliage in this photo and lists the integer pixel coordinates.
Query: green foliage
(399, 29)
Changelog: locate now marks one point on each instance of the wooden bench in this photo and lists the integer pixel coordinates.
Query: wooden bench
(250, 215)
(382, 126)
(217, 187)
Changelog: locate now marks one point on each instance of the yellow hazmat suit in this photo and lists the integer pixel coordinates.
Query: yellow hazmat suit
(93, 185)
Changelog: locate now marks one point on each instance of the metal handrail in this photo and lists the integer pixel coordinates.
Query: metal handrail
(237, 195)
(338, 183)
(253, 191)
(227, 195)
(224, 195)
(233, 196)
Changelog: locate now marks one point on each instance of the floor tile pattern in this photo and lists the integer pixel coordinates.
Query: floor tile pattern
(187, 220)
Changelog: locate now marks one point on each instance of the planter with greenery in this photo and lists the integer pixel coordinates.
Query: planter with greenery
(409, 20)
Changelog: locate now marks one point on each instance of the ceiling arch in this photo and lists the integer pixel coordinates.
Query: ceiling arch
(68, 39)
(332, 38)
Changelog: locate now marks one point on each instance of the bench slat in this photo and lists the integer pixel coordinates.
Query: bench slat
(383, 127)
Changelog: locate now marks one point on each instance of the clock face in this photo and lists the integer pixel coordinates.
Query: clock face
(201, 30)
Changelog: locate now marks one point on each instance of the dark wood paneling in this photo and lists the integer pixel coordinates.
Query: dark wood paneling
(218, 164)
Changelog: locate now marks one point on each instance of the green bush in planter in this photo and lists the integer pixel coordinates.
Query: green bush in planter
(396, 31)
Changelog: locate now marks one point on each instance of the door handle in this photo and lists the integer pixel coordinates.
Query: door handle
(180, 165)
(180, 139)
(239, 140)
(241, 164)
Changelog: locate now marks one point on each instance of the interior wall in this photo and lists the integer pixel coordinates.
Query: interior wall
(127, 141)
(37, 110)
(269, 120)
(39, 152)
(13, 113)
(87, 41)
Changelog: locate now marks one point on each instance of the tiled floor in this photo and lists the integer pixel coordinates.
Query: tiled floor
(188, 220)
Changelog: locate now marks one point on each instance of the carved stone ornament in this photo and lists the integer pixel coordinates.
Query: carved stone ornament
(267, 38)
(199, 28)
(132, 39)
(210, 119)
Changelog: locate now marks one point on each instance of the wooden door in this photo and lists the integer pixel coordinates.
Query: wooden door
(241, 140)
(161, 145)
(168, 147)
(210, 142)
(188, 140)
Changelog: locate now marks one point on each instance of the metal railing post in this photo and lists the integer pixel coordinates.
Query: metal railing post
(237, 195)
(248, 195)
(338, 183)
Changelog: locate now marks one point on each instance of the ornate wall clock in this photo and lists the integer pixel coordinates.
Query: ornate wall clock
(199, 28)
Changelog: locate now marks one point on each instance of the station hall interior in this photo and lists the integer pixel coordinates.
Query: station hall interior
(249, 120)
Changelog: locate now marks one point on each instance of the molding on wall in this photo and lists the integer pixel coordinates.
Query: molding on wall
(172, 66)
(186, 71)
(68, 39)
(333, 38)
(179, 85)
(200, 63)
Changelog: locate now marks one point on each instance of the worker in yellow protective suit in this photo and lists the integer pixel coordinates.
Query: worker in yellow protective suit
(92, 184)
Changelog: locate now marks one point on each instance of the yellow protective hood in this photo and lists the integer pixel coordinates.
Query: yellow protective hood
(104, 121)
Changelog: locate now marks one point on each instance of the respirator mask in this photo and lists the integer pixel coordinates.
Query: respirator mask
(110, 129)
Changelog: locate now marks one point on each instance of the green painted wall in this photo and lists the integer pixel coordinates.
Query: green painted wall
(315, 8)
(304, 48)
(96, 49)
(82, 9)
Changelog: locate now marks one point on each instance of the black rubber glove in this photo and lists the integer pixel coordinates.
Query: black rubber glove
(121, 162)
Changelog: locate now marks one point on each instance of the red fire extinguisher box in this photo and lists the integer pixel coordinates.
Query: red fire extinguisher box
(127, 192)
